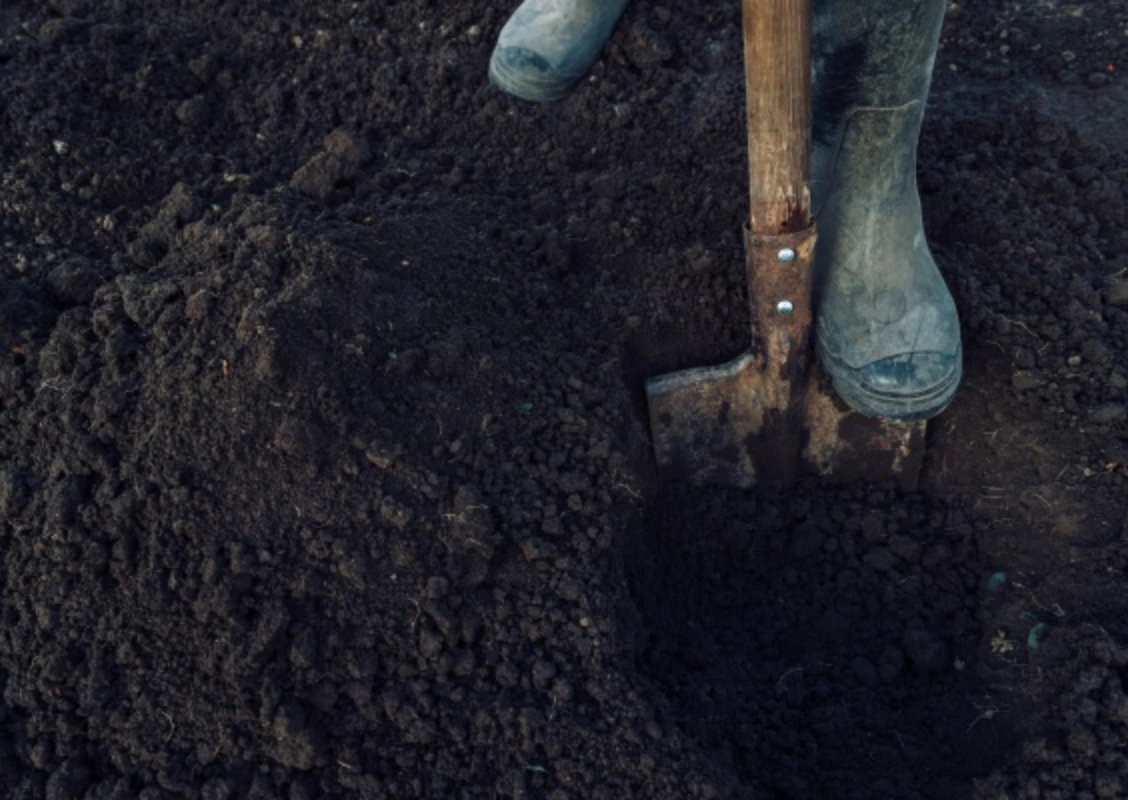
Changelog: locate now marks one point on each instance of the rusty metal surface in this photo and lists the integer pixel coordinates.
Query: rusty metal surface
(703, 419)
(716, 426)
(783, 339)
(845, 447)
(742, 422)
(770, 415)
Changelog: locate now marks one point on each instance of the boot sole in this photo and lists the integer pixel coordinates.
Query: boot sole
(882, 405)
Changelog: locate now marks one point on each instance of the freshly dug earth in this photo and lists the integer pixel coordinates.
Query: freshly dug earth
(324, 469)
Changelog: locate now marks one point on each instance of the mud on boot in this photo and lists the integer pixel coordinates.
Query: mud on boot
(887, 329)
(547, 46)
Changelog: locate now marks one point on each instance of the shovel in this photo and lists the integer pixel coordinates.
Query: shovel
(770, 415)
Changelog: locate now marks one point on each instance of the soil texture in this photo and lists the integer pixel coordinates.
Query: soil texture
(324, 463)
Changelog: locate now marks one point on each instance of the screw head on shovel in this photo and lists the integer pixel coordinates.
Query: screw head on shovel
(742, 422)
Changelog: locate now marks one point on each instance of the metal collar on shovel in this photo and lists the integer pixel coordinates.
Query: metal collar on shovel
(768, 415)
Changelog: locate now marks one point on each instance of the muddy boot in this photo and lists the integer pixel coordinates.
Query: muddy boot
(547, 46)
(887, 329)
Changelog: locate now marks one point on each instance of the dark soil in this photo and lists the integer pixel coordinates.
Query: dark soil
(324, 469)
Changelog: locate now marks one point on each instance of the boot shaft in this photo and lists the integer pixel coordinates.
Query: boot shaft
(871, 53)
(871, 59)
(887, 328)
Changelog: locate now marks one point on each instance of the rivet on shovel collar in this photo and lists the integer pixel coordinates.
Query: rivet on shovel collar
(785, 307)
(786, 255)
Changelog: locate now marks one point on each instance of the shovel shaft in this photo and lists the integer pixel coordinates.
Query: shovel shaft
(780, 240)
(777, 65)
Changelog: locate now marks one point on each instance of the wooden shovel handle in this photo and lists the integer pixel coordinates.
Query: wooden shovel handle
(777, 66)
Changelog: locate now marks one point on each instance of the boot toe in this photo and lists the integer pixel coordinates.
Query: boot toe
(527, 75)
(906, 386)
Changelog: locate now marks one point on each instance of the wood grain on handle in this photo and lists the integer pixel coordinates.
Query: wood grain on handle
(777, 66)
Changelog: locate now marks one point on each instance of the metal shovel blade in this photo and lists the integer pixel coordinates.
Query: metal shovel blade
(741, 423)
(705, 423)
(771, 416)
(723, 425)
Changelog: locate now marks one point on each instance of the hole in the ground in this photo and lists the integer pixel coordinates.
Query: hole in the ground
(824, 642)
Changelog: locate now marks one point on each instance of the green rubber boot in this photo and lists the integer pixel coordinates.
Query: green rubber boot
(886, 324)
(547, 46)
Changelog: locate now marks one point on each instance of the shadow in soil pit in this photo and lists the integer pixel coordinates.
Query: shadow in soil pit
(824, 642)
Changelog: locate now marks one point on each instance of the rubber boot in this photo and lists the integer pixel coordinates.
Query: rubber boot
(886, 325)
(547, 46)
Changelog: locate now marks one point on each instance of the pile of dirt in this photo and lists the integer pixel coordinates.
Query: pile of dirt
(324, 468)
